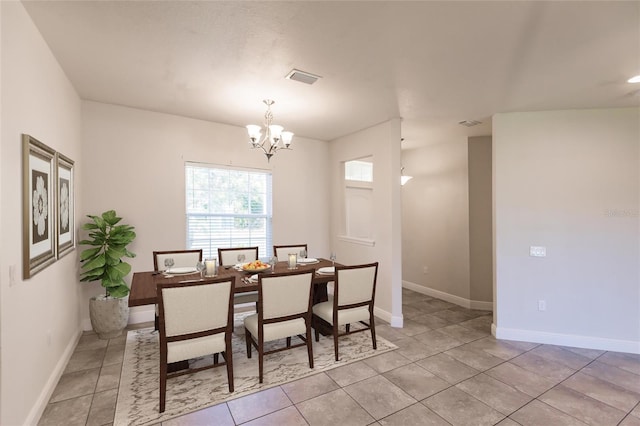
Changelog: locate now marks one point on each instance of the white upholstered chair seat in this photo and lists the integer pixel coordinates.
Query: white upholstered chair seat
(353, 298)
(195, 319)
(284, 311)
(277, 330)
(345, 316)
(201, 346)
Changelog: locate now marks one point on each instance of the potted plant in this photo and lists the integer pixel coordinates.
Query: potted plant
(102, 261)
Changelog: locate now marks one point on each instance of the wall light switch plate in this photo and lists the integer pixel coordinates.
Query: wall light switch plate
(12, 275)
(537, 251)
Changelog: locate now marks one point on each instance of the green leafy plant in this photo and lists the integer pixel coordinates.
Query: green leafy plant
(103, 260)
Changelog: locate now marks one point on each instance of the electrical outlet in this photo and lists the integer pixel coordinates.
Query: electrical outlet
(542, 305)
(425, 270)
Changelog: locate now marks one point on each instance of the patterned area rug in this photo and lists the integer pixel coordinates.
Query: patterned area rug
(138, 394)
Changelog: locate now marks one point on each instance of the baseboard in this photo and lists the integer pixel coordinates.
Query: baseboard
(576, 341)
(45, 395)
(137, 315)
(460, 301)
(142, 314)
(394, 321)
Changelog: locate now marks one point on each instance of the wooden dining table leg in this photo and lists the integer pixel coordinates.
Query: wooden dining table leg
(320, 293)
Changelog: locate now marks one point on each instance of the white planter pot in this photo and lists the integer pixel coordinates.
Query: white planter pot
(108, 316)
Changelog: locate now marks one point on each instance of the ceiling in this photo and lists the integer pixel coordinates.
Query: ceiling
(432, 63)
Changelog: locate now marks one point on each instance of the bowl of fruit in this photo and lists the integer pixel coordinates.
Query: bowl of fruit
(255, 266)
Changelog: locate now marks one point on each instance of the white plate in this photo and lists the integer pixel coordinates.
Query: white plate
(327, 270)
(307, 260)
(182, 270)
(254, 278)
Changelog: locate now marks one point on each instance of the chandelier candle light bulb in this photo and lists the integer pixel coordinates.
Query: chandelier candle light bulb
(274, 138)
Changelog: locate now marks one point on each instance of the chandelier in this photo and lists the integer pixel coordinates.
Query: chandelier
(274, 137)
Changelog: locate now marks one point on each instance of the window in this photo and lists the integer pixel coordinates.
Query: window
(227, 207)
(359, 170)
(358, 201)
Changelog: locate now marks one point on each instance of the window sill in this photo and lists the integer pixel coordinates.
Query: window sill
(355, 240)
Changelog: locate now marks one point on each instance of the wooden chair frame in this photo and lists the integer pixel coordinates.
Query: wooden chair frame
(156, 253)
(275, 249)
(157, 267)
(336, 308)
(259, 342)
(221, 251)
(164, 339)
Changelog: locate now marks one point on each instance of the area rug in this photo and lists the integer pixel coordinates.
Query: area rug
(138, 393)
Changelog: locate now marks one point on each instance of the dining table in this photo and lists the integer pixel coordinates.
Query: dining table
(144, 284)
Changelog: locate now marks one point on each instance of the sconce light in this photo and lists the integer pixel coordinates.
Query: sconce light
(404, 178)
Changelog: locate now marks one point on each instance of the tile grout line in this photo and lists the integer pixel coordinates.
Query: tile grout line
(628, 414)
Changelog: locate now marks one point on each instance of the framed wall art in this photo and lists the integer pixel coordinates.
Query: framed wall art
(65, 224)
(38, 206)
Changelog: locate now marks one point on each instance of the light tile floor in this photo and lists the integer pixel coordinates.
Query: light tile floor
(448, 370)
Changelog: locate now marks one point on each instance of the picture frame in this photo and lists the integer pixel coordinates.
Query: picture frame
(65, 206)
(38, 206)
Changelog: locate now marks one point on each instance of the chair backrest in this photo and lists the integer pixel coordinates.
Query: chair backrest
(181, 258)
(229, 256)
(195, 307)
(282, 252)
(284, 294)
(355, 284)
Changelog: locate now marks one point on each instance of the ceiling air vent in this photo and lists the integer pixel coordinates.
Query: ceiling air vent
(301, 76)
(469, 123)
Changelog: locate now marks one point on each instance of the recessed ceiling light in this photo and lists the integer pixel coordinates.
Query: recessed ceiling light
(469, 123)
(635, 79)
(302, 76)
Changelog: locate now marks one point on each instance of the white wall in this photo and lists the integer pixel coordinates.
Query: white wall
(382, 142)
(435, 221)
(568, 181)
(39, 317)
(134, 163)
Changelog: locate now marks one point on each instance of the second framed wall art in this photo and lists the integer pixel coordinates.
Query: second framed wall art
(65, 223)
(48, 223)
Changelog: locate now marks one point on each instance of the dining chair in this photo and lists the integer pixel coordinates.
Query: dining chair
(284, 310)
(229, 256)
(282, 252)
(181, 258)
(196, 319)
(353, 299)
